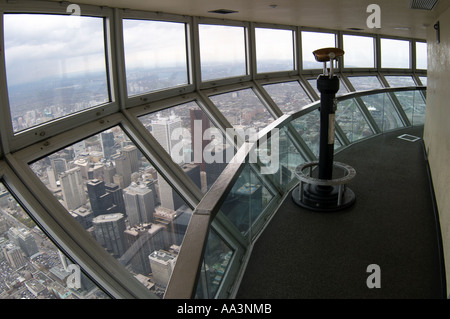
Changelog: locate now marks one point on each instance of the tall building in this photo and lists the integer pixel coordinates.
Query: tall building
(107, 142)
(170, 198)
(200, 123)
(72, 188)
(123, 168)
(109, 232)
(59, 166)
(101, 201)
(162, 130)
(132, 153)
(14, 256)
(162, 264)
(23, 239)
(141, 242)
(139, 204)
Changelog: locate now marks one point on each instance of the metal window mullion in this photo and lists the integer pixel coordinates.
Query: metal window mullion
(367, 115)
(220, 120)
(118, 58)
(6, 128)
(74, 239)
(267, 100)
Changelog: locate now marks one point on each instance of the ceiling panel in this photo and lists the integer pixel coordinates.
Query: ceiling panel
(397, 18)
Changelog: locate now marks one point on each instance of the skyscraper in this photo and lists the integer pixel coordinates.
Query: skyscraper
(109, 232)
(132, 153)
(170, 198)
(141, 242)
(123, 168)
(162, 130)
(72, 188)
(199, 124)
(139, 204)
(101, 201)
(107, 141)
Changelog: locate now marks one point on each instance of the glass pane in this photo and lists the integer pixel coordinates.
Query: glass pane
(274, 50)
(246, 201)
(119, 198)
(421, 55)
(155, 55)
(399, 81)
(187, 134)
(308, 127)
(395, 54)
(55, 66)
(32, 267)
(215, 265)
(359, 52)
(383, 111)
(414, 105)
(289, 96)
(222, 51)
(281, 168)
(424, 80)
(351, 120)
(244, 111)
(364, 83)
(342, 89)
(312, 41)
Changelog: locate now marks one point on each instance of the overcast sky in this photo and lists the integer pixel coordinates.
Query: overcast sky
(39, 46)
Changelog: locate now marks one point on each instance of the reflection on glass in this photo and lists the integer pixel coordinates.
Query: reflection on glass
(289, 96)
(359, 51)
(399, 81)
(215, 265)
(342, 89)
(187, 134)
(246, 201)
(421, 55)
(155, 55)
(222, 51)
(395, 54)
(312, 41)
(55, 66)
(274, 50)
(243, 110)
(383, 111)
(351, 120)
(365, 83)
(32, 267)
(414, 105)
(111, 189)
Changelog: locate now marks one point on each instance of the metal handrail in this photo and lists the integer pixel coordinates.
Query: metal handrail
(183, 282)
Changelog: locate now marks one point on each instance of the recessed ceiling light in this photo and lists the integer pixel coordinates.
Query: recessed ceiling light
(223, 11)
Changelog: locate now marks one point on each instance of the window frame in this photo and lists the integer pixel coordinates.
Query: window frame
(295, 55)
(13, 141)
(206, 84)
(136, 100)
(412, 54)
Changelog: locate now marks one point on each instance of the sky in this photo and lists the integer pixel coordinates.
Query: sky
(39, 46)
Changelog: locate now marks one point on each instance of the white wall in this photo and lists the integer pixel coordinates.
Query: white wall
(437, 125)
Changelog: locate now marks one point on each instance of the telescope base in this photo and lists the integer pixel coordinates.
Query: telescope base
(324, 199)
